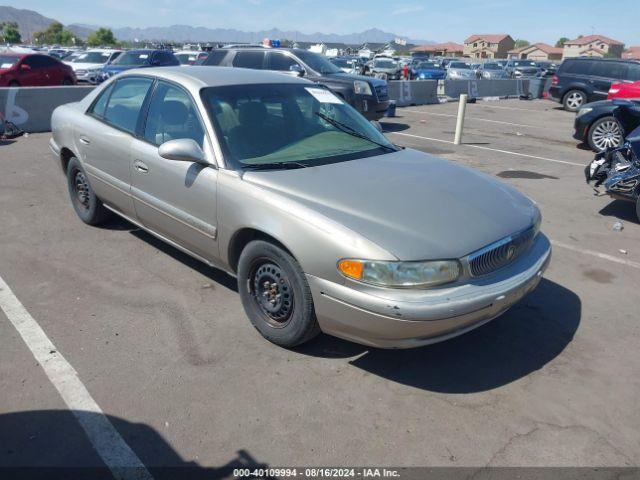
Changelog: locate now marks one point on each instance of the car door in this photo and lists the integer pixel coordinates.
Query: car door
(603, 73)
(175, 199)
(53, 71)
(28, 71)
(249, 59)
(105, 137)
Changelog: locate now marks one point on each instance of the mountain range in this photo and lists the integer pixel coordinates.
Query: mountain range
(31, 22)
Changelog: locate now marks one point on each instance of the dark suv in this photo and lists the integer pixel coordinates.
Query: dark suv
(370, 96)
(582, 80)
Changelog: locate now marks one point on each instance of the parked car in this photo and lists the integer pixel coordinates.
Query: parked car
(348, 65)
(253, 173)
(190, 57)
(428, 71)
(624, 90)
(138, 59)
(584, 80)
(492, 71)
(387, 68)
(460, 71)
(604, 124)
(547, 68)
(370, 96)
(88, 65)
(522, 68)
(33, 70)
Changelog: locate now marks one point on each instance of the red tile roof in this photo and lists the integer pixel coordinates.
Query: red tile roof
(491, 38)
(546, 48)
(592, 38)
(440, 47)
(632, 53)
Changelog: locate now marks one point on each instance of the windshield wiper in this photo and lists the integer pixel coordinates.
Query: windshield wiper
(351, 131)
(274, 166)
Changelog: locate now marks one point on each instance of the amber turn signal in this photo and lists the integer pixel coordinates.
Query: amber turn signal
(351, 268)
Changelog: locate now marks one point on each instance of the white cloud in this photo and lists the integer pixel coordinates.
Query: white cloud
(407, 9)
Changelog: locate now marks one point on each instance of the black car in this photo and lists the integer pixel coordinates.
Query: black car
(605, 124)
(582, 80)
(370, 96)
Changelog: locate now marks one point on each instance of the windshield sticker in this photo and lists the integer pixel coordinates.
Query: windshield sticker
(143, 56)
(323, 96)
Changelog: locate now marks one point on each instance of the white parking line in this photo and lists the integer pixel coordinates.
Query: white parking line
(603, 256)
(106, 440)
(481, 147)
(473, 118)
(491, 105)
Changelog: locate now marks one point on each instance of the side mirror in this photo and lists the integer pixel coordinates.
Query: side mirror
(297, 69)
(183, 150)
(25, 68)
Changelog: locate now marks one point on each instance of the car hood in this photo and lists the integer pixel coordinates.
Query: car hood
(349, 78)
(413, 205)
(463, 72)
(121, 68)
(430, 71)
(85, 66)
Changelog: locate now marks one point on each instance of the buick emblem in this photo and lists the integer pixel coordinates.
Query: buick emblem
(511, 252)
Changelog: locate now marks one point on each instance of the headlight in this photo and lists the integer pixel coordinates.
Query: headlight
(362, 88)
(401, 274)
(583, 111)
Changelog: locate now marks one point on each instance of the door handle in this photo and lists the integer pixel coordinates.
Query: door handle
(140, 166)
(85, 140)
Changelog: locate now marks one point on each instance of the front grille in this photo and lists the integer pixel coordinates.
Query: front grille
(500, 253)
(382, 92)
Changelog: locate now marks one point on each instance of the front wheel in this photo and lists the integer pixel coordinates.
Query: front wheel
(275, 295)
(88, 207)
(67, 82)
(574, 99)
(605, 133)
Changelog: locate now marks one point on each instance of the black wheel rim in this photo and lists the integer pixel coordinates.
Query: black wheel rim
(81, 190)
(271, 292)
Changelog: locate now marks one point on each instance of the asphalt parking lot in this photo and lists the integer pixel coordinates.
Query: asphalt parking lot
(163, 346)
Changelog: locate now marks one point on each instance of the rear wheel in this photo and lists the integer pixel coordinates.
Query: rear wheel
(605, 133)
(574, 99)
(275, 295)
(67, 81)
(14, 83)
(88, 207)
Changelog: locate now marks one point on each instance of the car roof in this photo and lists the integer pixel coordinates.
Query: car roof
(197, 77)
(583, 59)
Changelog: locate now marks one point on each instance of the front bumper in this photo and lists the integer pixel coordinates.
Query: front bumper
(581, 128)
(554, 94)
(413, 318)
(372, 108)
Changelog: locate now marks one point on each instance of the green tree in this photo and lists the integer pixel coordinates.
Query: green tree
(102, 36)
(55, 34)
(522, 43)
(10, 32)
(560, 43)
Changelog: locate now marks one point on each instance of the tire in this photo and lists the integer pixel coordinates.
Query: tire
(606, 132)
(275, 295)
(14, 83)
(88, 207)
(67, 81)
(573, 100)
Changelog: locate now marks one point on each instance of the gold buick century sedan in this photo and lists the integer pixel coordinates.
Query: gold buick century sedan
(326, 224)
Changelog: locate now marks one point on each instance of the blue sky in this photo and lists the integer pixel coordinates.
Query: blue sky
(539, 20)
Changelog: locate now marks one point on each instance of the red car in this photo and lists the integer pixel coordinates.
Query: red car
(624, 90)
(33, 70)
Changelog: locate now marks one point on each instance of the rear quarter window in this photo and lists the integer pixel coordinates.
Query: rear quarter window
(633, 72)
(215, 57)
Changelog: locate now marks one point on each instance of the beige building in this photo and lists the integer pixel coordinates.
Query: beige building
(449, 49)
(593, 46)
(538, 52)
(488, 46)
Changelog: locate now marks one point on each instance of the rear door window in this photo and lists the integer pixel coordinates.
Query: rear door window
(614, 70)
(249, 60)
(281, 62)
(633, 72)
(125, 103)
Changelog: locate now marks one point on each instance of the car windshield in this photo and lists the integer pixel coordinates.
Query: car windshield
(92, 57)
(289, 126)
(385, 64)
(133, 58)
(492, 66)
(317, 62)
(8, 61)
(186, 58)
(460, 65)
